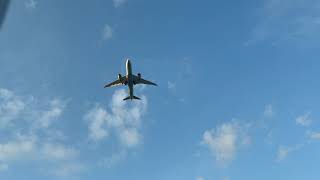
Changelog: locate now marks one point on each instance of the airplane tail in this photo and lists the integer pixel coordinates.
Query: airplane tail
(131, 97)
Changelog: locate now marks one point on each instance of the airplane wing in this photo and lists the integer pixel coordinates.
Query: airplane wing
(139, 80)
(114, 83)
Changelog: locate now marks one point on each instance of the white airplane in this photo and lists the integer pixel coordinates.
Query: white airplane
(130, 80)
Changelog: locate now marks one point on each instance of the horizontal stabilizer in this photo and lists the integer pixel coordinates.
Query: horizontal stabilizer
(131, 97)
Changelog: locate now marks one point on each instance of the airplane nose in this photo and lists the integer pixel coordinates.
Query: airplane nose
(128, 61)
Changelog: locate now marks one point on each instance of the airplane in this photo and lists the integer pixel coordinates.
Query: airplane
(130, 80)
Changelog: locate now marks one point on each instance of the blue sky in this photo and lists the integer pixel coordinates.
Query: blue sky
(238, 95)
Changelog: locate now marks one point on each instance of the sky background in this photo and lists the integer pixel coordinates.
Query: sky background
(238, 95)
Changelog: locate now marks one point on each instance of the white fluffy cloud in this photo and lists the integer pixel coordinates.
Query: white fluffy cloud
(130, 137)
(224, 141)
(304, 120)
(123, 120)
(97, 117)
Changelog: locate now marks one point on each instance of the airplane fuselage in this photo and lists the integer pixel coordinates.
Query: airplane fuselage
(130, 82)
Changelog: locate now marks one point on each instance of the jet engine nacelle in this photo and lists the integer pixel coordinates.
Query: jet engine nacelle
(139, 75)
(119, 77)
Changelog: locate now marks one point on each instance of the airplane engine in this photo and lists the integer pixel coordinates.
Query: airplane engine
(139, 75)
(119, 77)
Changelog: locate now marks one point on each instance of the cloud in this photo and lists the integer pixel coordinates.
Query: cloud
(53, 113)
(31, 4)
(268, 111)
(29, 134)
(224, 141)
(64, 170)
(314, 135)
(115, 158)
(199, 178)
(171, 85)
(123, 121)
(97, 118)
(16, 150)
(11, 106)
(118, 3)
(130, 137)
(287, 21)
(40, 114)
(56, 151)
(33, 148)
(3, 167)
(284, 151)
(107, 32)
(304, 120)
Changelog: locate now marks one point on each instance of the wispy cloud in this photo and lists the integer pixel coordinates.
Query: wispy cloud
(3, 167)
(118, 3)
(56, 151)
(32, 4)
(65, 170)
(29, 131)
(284, 151)
(225, 178)
(304, 120)
(268, 111)
(314, 135)
(171, 85)
(225, 140)
(107, 32)
(199, 178)
(115, 158)
(11, 107)
(287, 21)
(54, 111)
(17, 149)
